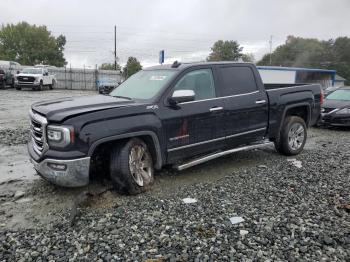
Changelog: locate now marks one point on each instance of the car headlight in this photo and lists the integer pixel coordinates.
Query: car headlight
(36, 79)
(344, 111)
(60, 136)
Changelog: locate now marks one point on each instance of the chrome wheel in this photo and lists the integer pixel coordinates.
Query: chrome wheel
(296, 136)
(140, 165)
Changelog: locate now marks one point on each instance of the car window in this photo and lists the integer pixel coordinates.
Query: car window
(144, 84)
(200, 81)
(340, 94)
(237, 80)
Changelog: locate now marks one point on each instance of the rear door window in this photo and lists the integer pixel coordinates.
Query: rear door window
(236, 80)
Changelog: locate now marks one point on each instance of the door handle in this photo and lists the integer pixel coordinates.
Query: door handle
(260, 101)
(216, 108)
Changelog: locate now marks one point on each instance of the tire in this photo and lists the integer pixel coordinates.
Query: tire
(127, 177)
(40, 87)
(3, 86)
(52, 85)
(292, 136)
(18, 88)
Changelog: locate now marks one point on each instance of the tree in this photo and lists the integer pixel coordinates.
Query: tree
(109, 66)
(248, 58)
(31, 44)
(132, 66)
(225, 51)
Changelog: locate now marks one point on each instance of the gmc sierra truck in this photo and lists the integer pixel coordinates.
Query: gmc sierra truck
(180, 115)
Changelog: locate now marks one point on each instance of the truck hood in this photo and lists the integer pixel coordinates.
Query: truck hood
(22, 74)
(59, 109)
(331, 103)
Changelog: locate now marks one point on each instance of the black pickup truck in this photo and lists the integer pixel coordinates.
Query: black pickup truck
(179, 114)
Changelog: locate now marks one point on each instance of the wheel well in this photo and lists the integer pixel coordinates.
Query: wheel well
(100, 156)
(300, 111)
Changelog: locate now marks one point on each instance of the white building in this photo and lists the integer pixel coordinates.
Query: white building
(296, 75)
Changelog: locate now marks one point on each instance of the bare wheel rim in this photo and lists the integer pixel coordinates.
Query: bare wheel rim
(140, 165)
(296, 136)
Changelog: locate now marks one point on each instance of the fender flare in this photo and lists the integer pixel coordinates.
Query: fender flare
(159, 160)
(308, 108)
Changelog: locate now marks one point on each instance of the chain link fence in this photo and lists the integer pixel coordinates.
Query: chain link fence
(75, 78)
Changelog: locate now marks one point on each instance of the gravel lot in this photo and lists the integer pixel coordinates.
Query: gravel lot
(290, 213)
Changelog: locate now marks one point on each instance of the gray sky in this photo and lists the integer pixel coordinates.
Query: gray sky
(185, 29)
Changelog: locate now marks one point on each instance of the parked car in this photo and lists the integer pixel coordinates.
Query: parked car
(336, 108)
(35, 78)
(2, 79)
(11, 68)
(179, 114)
(106, 85)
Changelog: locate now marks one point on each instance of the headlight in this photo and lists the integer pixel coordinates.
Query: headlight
(60, 136)
(36, 79)
(344, 111)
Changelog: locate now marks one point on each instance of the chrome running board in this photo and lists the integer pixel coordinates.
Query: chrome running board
(219, 154)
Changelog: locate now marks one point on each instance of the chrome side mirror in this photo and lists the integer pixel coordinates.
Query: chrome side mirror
(181, 96)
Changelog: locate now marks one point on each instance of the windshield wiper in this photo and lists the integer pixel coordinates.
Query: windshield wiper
(125, 97)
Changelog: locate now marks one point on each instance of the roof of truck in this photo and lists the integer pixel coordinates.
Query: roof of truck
(181, 66)
(282, 68)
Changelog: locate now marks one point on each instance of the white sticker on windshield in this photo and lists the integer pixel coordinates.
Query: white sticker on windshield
(157, 78)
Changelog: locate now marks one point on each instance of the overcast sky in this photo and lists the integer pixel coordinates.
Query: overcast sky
(185, 29)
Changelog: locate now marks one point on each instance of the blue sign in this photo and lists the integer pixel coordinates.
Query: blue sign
(161, 56)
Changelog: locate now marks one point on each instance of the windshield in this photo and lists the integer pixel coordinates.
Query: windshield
(144, 84)
(32, 71)
(340, 94)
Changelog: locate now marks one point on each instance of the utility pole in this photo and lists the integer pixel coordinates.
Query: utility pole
(270, 49)
(115, 48)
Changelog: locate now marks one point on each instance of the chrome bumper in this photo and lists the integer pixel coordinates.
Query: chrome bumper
(66, 173)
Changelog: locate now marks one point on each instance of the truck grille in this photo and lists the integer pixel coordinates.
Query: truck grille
(38, 132)
(26, 78)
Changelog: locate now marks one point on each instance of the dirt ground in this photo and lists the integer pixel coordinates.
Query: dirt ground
(27, 201)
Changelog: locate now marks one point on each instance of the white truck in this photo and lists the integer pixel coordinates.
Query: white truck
(35, 78)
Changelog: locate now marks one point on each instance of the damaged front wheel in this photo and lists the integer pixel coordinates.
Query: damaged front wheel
(132, 167)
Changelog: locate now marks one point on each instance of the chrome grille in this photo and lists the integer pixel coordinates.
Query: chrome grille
(38, 133)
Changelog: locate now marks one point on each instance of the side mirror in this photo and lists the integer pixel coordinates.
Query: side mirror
(181, 96)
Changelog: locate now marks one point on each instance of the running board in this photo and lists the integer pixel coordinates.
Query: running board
(219, 154)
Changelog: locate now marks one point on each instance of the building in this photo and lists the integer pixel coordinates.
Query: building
(296, 75)
(339, 81)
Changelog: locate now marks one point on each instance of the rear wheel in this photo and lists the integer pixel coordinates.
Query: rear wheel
(131, 167)
(292, 137)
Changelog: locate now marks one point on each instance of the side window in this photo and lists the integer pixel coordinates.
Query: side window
(200, 81)
(237, 80)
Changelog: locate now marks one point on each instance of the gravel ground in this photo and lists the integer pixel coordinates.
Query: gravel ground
(290, 213)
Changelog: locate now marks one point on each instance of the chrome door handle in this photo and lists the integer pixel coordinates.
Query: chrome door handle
(217, 108)
(260, 101)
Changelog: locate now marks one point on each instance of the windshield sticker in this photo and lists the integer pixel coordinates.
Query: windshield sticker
(157, 78)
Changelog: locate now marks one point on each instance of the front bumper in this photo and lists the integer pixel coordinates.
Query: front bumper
(335, 120)
(66, 173)
(27, 84)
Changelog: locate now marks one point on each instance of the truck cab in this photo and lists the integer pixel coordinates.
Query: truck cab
(180, 115)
